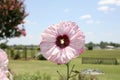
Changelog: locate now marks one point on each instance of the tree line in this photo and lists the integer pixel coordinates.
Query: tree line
(102, 45)
(88, 45)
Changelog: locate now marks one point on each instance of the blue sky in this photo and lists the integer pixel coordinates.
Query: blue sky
(98, 19)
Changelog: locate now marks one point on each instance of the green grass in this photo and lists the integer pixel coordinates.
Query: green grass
(102, 53)
(46, 67)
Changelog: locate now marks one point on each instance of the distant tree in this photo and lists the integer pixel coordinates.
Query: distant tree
(114, 44)
(90, 45)
(3, 46)
(19, 47)
(103, 44)
(12, 14)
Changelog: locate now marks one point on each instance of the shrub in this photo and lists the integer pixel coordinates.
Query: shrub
(12, 53)
(17, 56)
(90, 47)
(41, 57)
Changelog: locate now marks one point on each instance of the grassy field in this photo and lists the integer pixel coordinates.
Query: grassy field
(46, 67)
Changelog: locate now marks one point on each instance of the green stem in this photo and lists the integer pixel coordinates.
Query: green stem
(71, 70)
(68, 76)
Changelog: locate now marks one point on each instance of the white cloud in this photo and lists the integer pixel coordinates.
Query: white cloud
(118, 3)
(105, 9)
(88, 19)
(112, 2)
(87, 16)
(104, 2)
(104, 5)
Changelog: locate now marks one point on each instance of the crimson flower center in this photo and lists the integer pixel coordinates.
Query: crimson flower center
(62, 41)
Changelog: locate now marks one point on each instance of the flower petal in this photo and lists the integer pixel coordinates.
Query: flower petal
(3, 58)
(46, 46)
(64, 27)
(71, 52)
(49, 34)
(59, 58)
(77, 40)
(73, 29)
(3, 76)
(77, 44)
(64, 56)
(49, 51)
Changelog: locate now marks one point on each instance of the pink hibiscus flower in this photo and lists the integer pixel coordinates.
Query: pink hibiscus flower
(3, 76)
(23, 32)
(3, 65)
(3, 58)
(62, 42)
